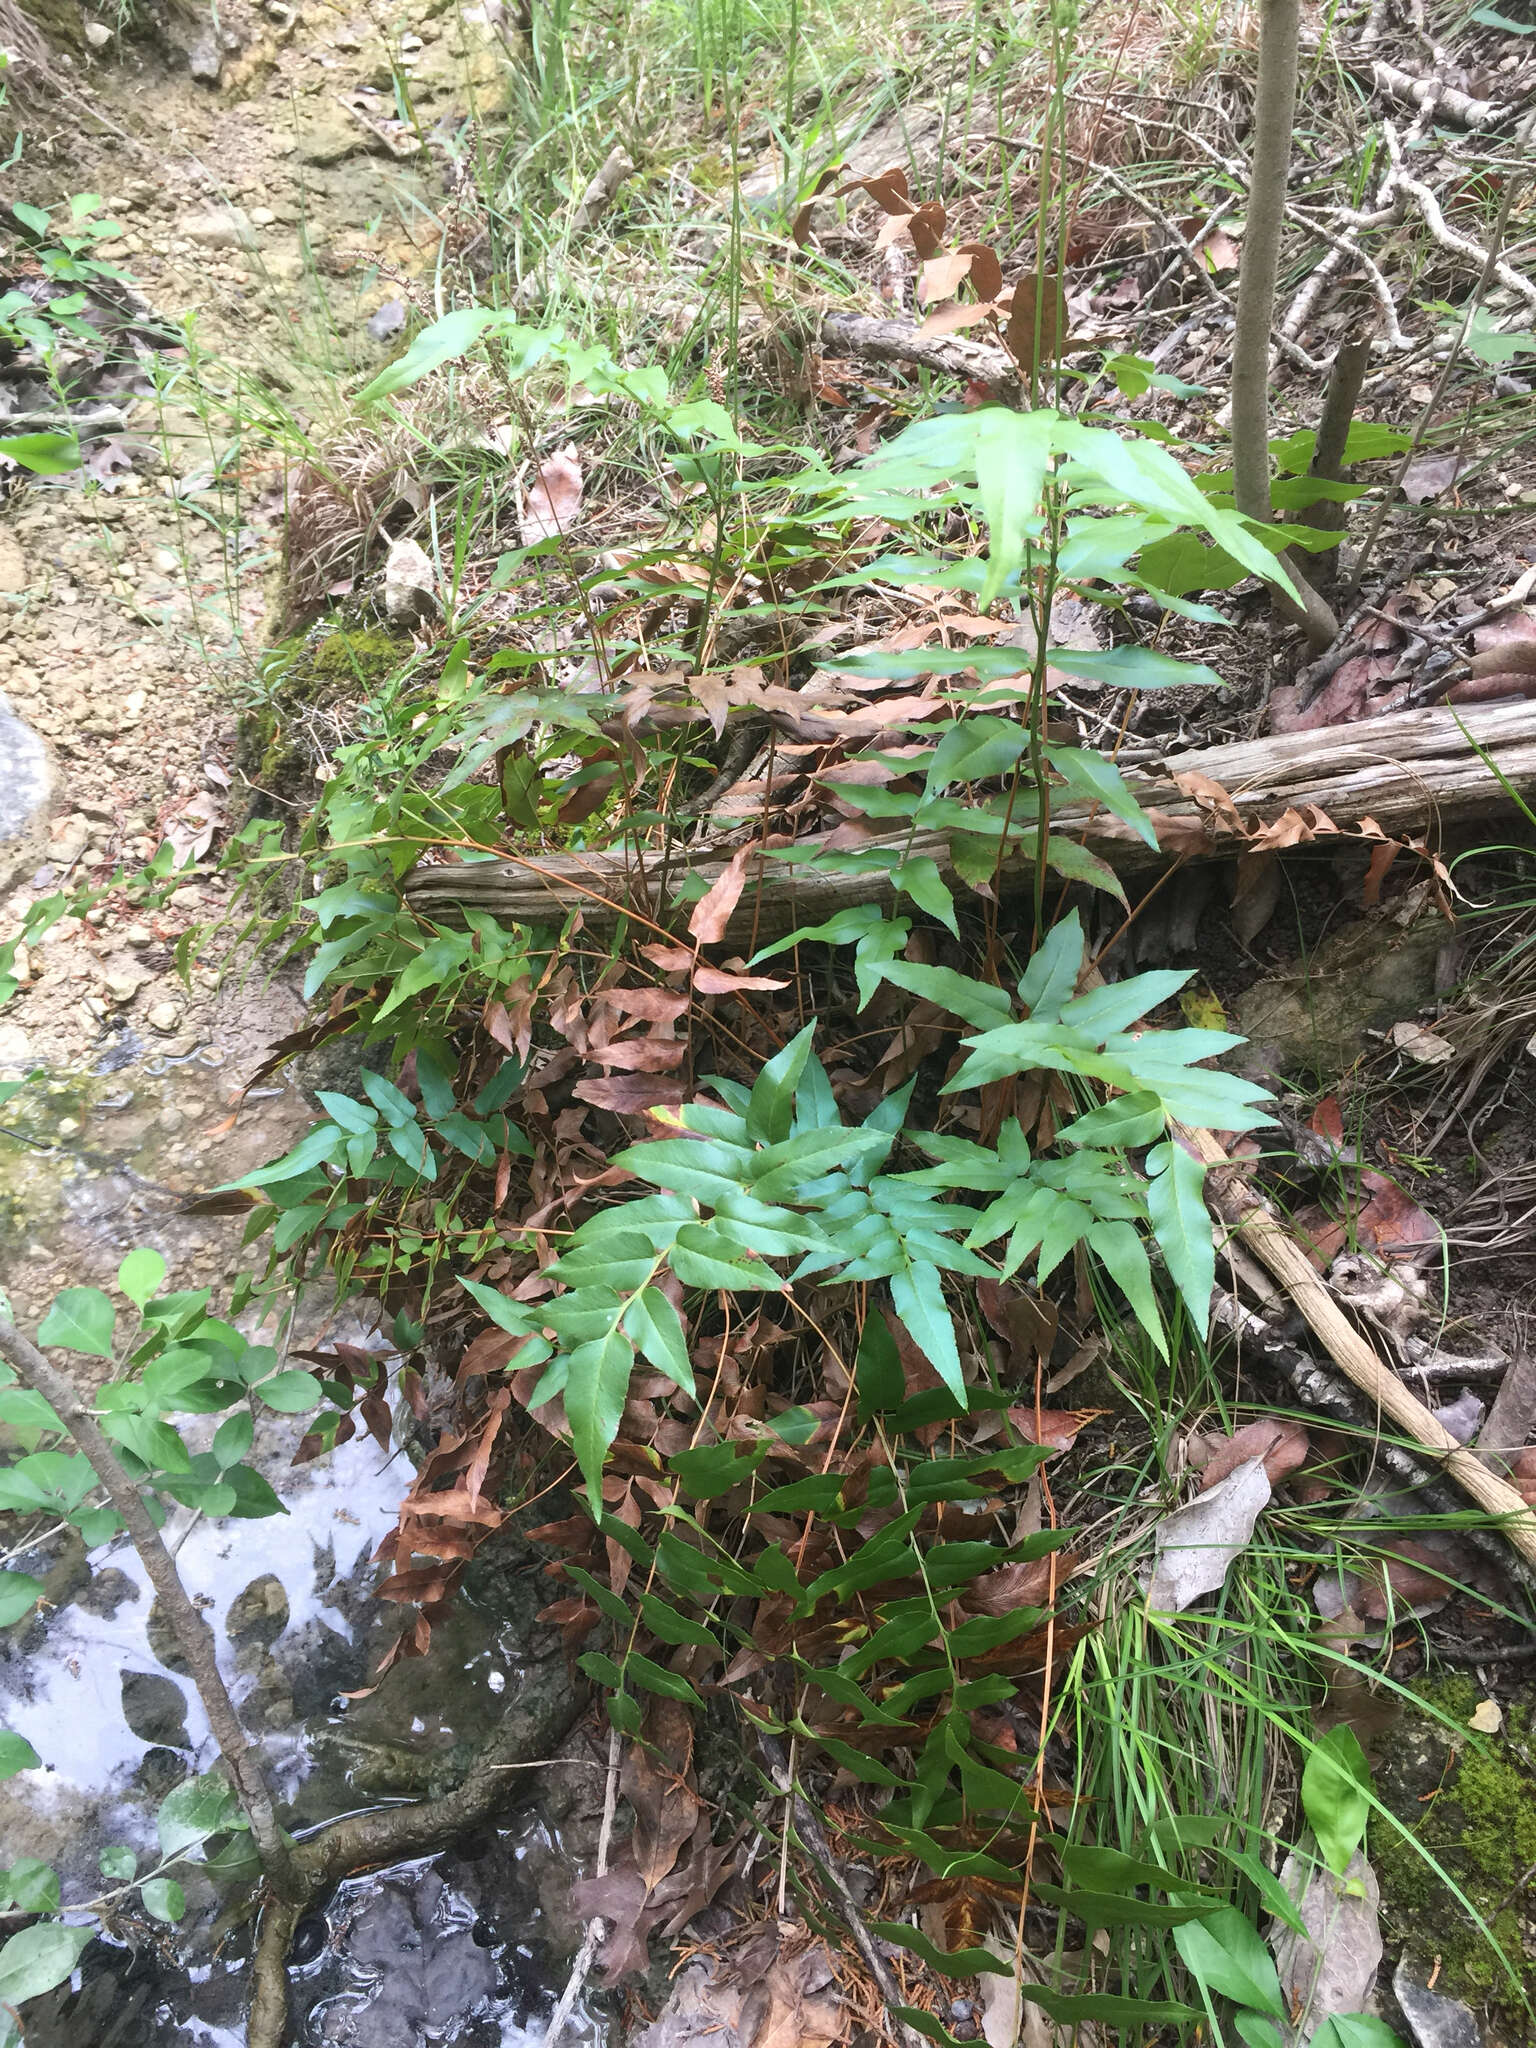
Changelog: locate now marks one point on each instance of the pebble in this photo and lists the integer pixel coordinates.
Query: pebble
(228, 227)
(69, 1126)
(262, 216)
(166, 560)
(164, 1017)
(97, 34)
(122, 983)
(139, 935)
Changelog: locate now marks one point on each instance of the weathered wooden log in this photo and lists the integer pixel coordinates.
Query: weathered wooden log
(1411, 773)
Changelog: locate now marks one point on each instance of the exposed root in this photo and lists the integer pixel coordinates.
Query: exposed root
(527, 1731)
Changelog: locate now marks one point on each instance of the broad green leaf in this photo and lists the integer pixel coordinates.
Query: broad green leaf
(1050, 978)
(978, 1003)
(1101, 779)
(506, 1314)
(921, 880)
(917, 1295)
(1355, 2030)
(976, 749)
(290, 1393)
(38, 1958)
(1116, 1909)
(1335, 1795)
(398, 1108)
(164, 1898)
(81, 1319)
(323, 1144)
(1134, 668)
(1119, 1247)
(33, 1885)
(669, 1626)
(705, 1474)
(445, 340)
(703, 1257)
(949, 1963)
(1182, 1225)
(1226, 1955)
(24, 1408)
(16, 1753)
(596, 1384)
(232, 1439)
(1127, 1122)
(1107, 2008)
(359, 1118)
(839, 930)
(656, 1678)
(118, 1864)
(1116, 1005)
(195, 1809)
(878, 1373)
(43, 454)
(1013, 453)
(770, 1112)
(1257, 2031)
(652, 1322)
(19, 1594)
(141, 1274)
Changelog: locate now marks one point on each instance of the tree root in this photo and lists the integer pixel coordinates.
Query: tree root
(527, 1731)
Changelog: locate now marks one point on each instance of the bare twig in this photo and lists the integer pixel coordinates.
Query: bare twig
(1272, 1244)
(1512, 186)
(194, 1638)
(597, 1928)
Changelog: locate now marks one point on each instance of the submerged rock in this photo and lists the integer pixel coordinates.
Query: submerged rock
(155, 1709)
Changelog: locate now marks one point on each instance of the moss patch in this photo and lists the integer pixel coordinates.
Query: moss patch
(285, 737)
(1469, 1801)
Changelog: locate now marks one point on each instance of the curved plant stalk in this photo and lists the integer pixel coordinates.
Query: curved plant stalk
(194, 1638)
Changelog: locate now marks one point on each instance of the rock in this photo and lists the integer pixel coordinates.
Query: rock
(166, 560)
(162, 1641)
(164, 1017)
(14, 575)
(263, 217)
(388, 320)
(1313, 1019)
(25, 780)
(205, 59)
(15, 1048)
(139, 935)
(259, 1613)
(97, 34)
(327, 136)
(409, 584)
(227, 227)
(123, 982)
(108, 1590)
(155, 1708)
(1434, 2020)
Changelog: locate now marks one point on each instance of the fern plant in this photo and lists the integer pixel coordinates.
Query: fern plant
(770, 1187)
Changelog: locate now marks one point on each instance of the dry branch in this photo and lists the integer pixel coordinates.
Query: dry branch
(898, 341)
(1409, 771)
(1235, 1201)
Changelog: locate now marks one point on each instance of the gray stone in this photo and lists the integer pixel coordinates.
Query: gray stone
(155, 1708)
(24, 776)
(328, 136)
(259, 1613)
(388, 320)
(97, 34)
(108, 1590)
(205, 59)
(164, 1017)
(227, 227)
(14, 575)
(1434, 2020)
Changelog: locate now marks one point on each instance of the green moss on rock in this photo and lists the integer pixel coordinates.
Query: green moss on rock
(1469, 1802)
(334, 662)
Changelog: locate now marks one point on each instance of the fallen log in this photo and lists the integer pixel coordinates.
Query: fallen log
(1413, 772)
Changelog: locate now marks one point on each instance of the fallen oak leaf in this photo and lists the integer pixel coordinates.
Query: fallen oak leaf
(1278, 1443)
